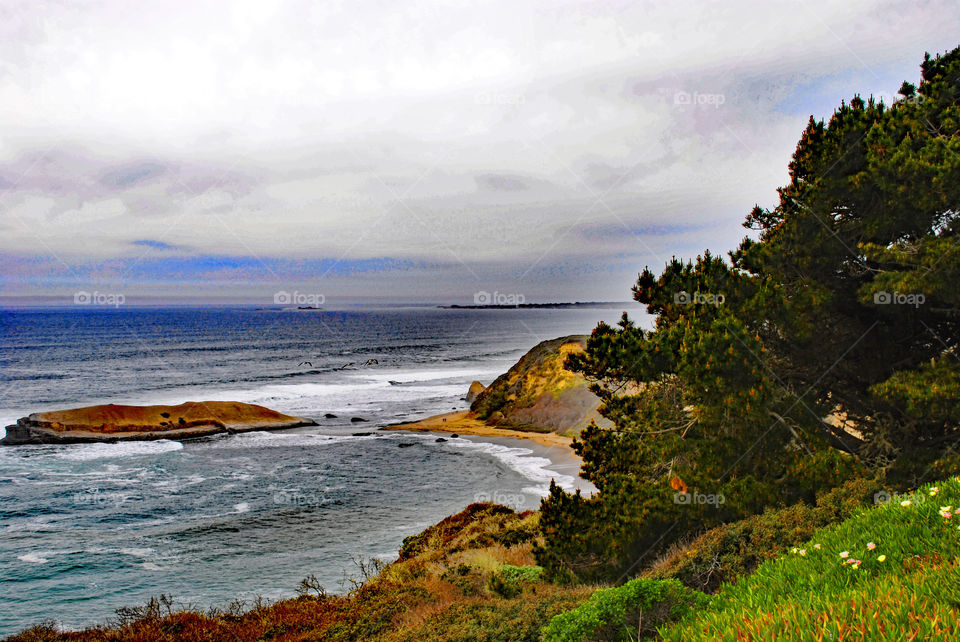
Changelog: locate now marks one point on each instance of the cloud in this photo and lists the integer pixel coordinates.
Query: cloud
(545, 148)
(156, 245)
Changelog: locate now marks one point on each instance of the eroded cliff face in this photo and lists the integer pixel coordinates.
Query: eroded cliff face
(538, 393)
(119, 423)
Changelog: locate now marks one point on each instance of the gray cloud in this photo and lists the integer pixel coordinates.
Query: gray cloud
(497, 146)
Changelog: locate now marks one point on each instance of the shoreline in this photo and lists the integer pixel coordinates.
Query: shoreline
(464, 423)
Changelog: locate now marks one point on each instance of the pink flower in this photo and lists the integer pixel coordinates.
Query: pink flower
(871, 546)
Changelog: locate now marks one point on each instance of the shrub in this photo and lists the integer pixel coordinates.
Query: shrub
(508, 580)
(626, 612)
(496, 619)
(454, 527)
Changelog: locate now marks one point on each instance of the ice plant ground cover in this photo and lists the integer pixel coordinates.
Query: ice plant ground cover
(891, 570)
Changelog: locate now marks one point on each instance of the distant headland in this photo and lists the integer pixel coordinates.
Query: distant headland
(576, 304)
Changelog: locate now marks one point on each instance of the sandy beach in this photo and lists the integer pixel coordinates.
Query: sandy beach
(465, 423)
(546, 444)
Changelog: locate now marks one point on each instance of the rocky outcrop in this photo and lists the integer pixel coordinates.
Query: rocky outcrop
(476, 389)
(539, 394)
(109, 423)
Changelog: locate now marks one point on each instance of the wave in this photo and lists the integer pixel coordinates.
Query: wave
(534, 468)
(88, 452)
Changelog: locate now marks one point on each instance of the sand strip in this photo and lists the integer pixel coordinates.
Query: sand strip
(466, 423)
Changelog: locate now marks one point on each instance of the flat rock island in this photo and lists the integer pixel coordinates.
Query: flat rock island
(111, 423)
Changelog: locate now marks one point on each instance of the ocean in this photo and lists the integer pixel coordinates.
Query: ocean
(88, 528)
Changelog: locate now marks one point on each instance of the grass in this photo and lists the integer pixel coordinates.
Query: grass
(890, 570)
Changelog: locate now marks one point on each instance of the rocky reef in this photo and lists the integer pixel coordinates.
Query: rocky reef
(111, 423)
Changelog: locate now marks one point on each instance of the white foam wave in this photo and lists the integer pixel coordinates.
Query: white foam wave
(242, 507)
(33, 558)
(138, 552)
(87, 452)
(346, 391)
(536, 469)
(408, 376)
(264, 439)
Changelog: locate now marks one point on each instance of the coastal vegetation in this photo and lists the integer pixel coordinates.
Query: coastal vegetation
(823, 350)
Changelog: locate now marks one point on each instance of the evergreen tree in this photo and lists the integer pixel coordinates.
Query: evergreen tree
(825, 348)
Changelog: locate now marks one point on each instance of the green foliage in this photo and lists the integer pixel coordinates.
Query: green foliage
(626, 612)
(863, 250)
(903, 581)
(508, 581)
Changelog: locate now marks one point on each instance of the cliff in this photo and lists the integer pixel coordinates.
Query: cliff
(122, 423)
(539, 394)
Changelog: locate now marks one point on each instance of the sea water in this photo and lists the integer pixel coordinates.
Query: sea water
(88, 528)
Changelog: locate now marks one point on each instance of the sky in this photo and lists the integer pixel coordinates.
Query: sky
(447, 151)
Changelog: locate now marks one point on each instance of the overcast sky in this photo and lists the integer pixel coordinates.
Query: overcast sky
(423, 151)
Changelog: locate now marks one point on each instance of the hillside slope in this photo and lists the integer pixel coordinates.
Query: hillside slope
(889, 572)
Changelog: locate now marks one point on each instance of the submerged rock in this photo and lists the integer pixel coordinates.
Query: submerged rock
(112, 423)
(357, 420)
